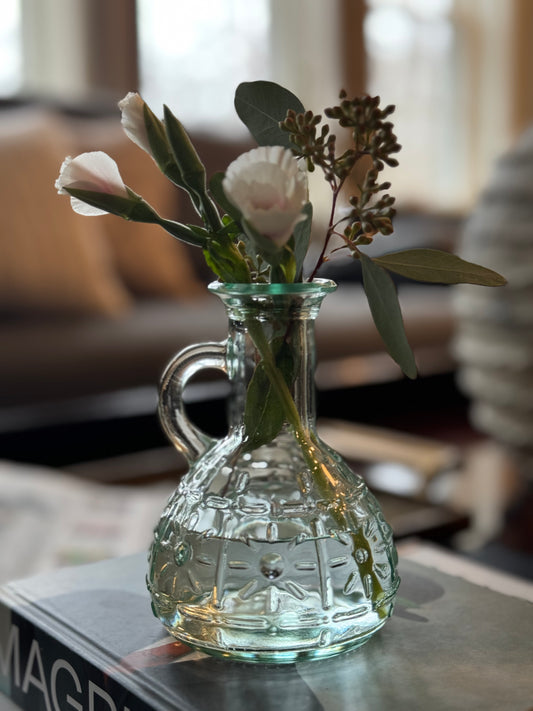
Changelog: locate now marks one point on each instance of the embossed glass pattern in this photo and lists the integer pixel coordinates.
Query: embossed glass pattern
(271, 549)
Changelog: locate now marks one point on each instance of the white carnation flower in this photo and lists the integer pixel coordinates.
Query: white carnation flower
(268, 187)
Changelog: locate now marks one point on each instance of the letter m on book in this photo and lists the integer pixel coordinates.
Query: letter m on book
(10, 656)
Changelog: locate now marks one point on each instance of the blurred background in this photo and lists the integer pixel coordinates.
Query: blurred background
(92, 309)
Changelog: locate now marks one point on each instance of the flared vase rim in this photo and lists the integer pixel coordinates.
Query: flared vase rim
(317, 286)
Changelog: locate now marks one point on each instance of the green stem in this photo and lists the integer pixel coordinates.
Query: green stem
(209, 213)
(322, 475)
(181, 232)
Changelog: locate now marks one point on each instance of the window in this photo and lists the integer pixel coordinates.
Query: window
(457, 70)
(192, 55)
(410, 48)
(10, 48)
(459, 74)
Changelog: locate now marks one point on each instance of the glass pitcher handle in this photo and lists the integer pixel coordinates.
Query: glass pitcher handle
(184, 435)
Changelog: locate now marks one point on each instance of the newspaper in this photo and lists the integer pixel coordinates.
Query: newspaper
(49, 519)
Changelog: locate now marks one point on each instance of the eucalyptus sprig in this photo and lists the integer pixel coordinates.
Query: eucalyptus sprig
(373, 139)
(371, 210)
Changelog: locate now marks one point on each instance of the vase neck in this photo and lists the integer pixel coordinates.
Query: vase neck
(271, 359)
(272, 362)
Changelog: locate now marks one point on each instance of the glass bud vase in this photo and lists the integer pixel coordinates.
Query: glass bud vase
(271, 549)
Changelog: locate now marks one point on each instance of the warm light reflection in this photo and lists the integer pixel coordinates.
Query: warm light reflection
(329, 476)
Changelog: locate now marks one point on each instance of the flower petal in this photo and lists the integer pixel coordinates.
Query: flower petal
(276, 224)
(132, 108)
(270, 190)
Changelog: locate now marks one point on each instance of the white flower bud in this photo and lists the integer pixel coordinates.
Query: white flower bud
(132, 108)
(94, 171)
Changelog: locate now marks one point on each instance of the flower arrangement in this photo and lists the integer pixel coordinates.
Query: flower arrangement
(257, 217)
(256, 229)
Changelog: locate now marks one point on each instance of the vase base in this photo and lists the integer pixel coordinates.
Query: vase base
(282, 646)
(265, 615)
(281, 656)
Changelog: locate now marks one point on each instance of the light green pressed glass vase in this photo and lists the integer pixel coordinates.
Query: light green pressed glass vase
(271, 549)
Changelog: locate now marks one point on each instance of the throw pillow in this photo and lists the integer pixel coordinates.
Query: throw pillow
(51, 259)
(149, 260)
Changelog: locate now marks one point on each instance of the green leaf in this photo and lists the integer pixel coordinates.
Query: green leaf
(264, 413)
(191, 167)
(136, 209)
(385, 308)
(285, 272)
(160, 147)
(261, 106)
(217, 191)
(189, 234)
(156, 135)
(267, 248)
(300, 239)
(434, 265)
(223, 257)
(192, 170)
(114, 204)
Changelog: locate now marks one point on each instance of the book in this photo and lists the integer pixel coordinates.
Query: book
(84, 639)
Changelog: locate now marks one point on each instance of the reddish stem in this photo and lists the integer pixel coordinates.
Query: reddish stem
(331, 230)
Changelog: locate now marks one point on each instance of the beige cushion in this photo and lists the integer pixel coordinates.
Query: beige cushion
(150, 261)
(51, 259)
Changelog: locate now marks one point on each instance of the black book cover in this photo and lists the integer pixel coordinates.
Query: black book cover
(84, 638)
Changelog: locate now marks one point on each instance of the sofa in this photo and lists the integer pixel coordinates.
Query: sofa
(91, 307)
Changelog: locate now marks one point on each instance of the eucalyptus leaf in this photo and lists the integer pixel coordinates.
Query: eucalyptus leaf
(434, 265)
(261, 106)
(385, 308)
